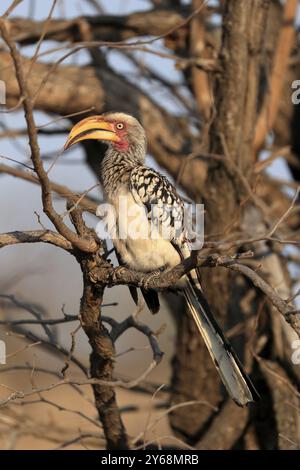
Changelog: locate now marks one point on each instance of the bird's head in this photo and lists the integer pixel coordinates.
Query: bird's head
(120, 131)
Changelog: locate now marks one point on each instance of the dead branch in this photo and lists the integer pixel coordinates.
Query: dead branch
(83, 201)
(168, 136)
(132, 322)
(85, 245)
(112, 28)
(107, 275)
(35, 236)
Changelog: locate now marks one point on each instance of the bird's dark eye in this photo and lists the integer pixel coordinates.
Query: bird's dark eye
(120, 126)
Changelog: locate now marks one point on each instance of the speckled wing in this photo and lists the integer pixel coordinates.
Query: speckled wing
(161, 201)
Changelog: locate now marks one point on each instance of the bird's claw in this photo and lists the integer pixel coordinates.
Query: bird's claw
(147, 280)
(118, 272)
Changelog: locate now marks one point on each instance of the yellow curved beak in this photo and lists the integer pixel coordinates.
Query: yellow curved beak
(93, 127)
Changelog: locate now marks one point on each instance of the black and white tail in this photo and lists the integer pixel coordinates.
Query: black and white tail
(235, 379)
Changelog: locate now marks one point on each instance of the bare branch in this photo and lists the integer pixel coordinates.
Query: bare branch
(84, 245)
(81, 200)
(166, 279)
(35, 236)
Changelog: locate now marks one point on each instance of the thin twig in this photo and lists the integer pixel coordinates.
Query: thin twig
(86, 245)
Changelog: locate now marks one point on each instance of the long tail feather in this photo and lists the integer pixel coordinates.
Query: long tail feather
(235, 379)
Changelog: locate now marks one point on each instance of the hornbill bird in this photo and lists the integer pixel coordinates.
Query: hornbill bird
(124, 175)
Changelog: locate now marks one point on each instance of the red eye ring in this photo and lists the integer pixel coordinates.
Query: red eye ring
(120, 126)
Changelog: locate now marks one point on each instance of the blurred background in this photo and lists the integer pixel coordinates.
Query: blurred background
(173, 86)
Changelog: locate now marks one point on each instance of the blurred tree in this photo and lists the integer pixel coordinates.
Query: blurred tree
(234, 117)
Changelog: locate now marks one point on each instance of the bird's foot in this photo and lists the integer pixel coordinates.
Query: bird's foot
(118, 272)
(148, 280)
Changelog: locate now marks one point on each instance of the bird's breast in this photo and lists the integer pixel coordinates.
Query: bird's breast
(139, 245)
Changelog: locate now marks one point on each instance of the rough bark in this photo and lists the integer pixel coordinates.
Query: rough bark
(101, 360)
(286, 405)
(225, 429)
(236, 104)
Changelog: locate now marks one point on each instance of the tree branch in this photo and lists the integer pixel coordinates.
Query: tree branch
(83, 201)
(103, 27)
(35, 236)
(169, 137)
(85, 245)
(107, 275)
